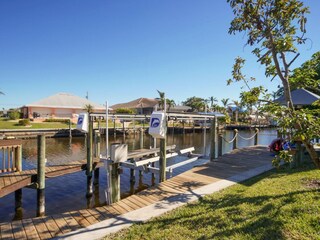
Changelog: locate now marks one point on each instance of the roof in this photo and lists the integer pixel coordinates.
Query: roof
(137, 103)
(65, 100)
(300, 97)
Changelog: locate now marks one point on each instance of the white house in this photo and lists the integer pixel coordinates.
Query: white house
(60, 105)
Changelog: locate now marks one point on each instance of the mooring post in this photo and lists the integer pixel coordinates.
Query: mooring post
(235, 141)
(97, 140)
(89, 158)
(141, 138)
(18, 204)
(183, 127)
(220, 145)
(256, 136)
(213, 137)
(70, 130)
(18, 158)
(114, 182)
(41, 175)
(163, 159)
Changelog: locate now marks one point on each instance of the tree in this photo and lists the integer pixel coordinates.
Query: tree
(308, 75)
(275, 28)
(170, 103)
(196, 103)
(162, 99)
(224, 102)
(212, 101)
(89, 108)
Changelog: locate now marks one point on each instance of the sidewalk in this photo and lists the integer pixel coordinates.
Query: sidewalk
(228, 170)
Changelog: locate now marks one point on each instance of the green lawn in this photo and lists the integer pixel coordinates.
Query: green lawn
(13, 124)
(283, 204)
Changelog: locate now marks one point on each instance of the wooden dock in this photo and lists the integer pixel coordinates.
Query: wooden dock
(11, 182)
(237, 162)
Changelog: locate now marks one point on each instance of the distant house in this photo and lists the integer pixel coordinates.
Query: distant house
(140, 105)
(300, 98)
(180, 109)
(148, 105)
(61, 105)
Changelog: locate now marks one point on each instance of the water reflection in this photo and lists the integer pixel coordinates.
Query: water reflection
(67, 193)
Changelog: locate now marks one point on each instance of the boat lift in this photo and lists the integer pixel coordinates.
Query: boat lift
(120, 154)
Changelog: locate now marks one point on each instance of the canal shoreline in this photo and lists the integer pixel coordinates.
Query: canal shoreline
(66, 132)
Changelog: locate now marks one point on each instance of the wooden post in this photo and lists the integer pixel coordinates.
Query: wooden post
(220, 145)
(41, 175)
(183, 126)
(114, 180)
(96, 175)
(132, 175)
(163, 159)
(70, 130)
(89, 159)
(256, 137)
(235, 141)
(18, 204)
(97, 140)
(18, 158)
(141, 139)
(213, 137)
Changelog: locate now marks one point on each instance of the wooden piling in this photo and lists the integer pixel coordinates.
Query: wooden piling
(41, 175)
(141, 139)
(18, 158)
(256, 136)
(220, 145)
(89, 159)
(96, 175)
(97, 141)
(70, 130)
(163, 159)
(114, 180)
(235, 141)
(213, 138)
(18, 204)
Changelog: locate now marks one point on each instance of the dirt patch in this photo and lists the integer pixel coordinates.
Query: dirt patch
(312, 183)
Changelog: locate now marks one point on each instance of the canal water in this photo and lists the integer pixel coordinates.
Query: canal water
(68, 193)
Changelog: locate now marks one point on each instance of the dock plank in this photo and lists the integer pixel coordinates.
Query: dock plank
(87, 215)
(80, 219)
(61, 223)
(30, 229)
(6, 231)
(51, 225)
(41, 228)
(18, 230)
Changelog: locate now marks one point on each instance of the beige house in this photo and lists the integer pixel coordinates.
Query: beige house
(140, 105)
(60, 105)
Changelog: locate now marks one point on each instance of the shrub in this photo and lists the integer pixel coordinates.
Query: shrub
(24, 122)
(126, 110)
(57, 120)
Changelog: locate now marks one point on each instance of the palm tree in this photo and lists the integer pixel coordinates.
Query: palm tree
(238, 106)
(212, 100)
(170, 103)
(162, 99)
(89, 108)
(224, 102)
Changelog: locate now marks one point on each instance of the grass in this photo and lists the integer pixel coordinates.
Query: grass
(280, 204)
(13, 124)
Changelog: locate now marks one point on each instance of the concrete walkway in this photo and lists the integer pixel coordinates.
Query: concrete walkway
(228, 170)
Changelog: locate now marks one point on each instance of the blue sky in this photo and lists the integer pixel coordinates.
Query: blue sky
(120, 50)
